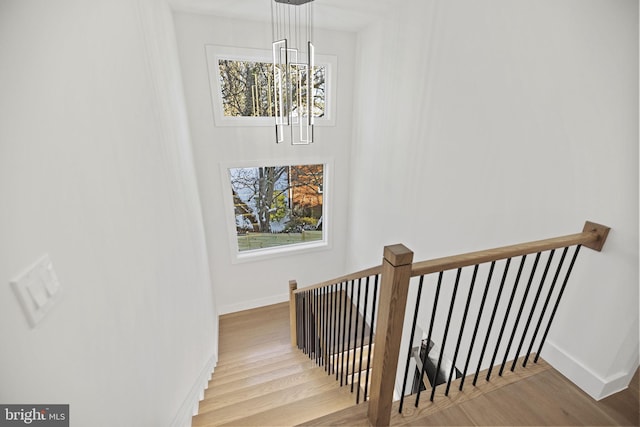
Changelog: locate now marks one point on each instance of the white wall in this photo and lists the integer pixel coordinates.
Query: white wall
(96, 170)
(479, 124)
(251, 284)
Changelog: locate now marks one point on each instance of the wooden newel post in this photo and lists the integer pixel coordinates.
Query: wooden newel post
(293, 285)
(394, 286)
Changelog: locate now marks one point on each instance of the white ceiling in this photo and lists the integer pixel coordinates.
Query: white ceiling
(344, 15)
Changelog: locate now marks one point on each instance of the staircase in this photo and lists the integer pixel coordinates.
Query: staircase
(287, 389)
(278, 365)
(262, 380)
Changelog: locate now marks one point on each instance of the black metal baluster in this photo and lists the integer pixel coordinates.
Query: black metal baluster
(347, 337)
(413, 332)
(316, 326)
(475, 329)
(364, 323)
(311, 322)
(493, 316)
(464, 320)
(336, 339)
(299, 320)
(544, 306)
(319, 325)
(344, 331)
(506, 316)
(355, 336)
(446, 332)
(304, 322)
(373, 315)
(555, 307)
(327, 320)
(345, 342)
(309, 348)
(329, 325)
(426, 353)
(533, 307)
(322, 324)
(515, 325)
(309, 325)
(334, 328)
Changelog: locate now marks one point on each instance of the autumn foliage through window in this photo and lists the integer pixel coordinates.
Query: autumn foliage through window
(277, 205)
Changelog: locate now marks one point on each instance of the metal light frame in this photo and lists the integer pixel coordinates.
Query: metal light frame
(293, 71)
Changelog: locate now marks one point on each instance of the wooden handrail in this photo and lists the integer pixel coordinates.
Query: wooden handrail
(346, 278)
(593, 236)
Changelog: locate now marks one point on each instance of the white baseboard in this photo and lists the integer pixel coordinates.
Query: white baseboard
(247, 305)
(591, 383)
(189, 407)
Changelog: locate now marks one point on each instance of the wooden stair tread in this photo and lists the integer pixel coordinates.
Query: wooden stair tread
(220, 400)
(258, 368)
(239, 348)
(233, 360)
(258, 379)
(346, 361)
(299, 411)
(278, 398)
(353, 416)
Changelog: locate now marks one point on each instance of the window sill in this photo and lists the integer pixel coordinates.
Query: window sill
(279, 251)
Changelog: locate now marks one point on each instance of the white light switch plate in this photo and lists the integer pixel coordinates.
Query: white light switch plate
(37, 289)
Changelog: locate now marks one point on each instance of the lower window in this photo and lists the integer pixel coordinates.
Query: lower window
(278, 206)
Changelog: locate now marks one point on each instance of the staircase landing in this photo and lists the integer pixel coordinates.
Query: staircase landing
(538, 395)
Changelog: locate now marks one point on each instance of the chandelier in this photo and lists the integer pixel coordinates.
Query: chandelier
(293, 66)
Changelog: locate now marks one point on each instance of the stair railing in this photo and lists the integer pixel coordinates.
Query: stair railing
(332, 322)
(319, 331)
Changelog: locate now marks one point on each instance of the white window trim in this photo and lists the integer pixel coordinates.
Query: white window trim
(215, 53)
(285, 250)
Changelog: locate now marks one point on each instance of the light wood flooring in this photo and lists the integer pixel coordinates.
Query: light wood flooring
(262, 380)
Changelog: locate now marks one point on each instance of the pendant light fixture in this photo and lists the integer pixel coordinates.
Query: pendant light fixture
(293, 64)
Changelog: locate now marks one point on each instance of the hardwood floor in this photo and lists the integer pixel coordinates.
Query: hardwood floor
(544, 399)
(261, 380)
(540, 396)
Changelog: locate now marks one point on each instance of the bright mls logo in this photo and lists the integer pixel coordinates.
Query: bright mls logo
(34, 415)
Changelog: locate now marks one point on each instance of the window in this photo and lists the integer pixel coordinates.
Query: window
(241, 87)
(277, 206)
(246, 88)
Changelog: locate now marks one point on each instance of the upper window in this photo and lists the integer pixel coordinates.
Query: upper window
(246, 88)
(241, 87)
